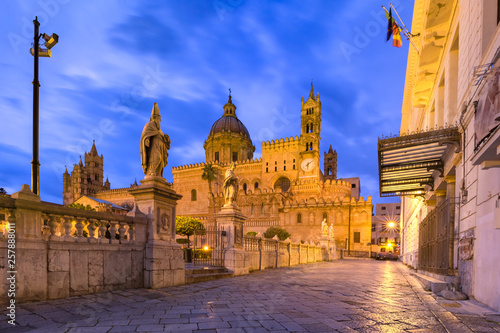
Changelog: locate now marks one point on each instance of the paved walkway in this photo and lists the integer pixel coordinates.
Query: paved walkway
(343, 296)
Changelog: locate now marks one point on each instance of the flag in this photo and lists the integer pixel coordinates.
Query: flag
(396, 35)
(393, 29)
(389, 25)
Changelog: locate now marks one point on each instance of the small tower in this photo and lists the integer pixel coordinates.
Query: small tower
(330, 164)
(95, 170)
(67, 188)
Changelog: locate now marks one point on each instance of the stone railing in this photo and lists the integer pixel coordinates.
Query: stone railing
(263, 253)
(62, 252)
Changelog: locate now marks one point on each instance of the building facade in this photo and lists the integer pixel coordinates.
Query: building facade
(285, 187)
(445, 162)
(386, 228)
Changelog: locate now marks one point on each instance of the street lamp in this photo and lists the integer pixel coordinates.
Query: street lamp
(37, 51)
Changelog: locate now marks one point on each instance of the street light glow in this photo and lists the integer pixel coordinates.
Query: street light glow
(391, 224)
(205, 248)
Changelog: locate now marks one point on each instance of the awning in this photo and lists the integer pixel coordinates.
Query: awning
(407, 162)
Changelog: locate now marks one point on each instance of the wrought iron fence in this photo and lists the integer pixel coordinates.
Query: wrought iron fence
(208, 246)
(435, 241)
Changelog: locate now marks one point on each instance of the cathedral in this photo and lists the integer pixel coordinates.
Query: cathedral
(285, 187)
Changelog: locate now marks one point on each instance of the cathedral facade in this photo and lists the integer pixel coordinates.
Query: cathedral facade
(286, 187)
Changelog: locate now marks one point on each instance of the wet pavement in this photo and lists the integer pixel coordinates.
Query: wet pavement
(350, 295)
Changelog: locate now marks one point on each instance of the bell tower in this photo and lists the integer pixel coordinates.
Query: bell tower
(330, 164)
(310, 129)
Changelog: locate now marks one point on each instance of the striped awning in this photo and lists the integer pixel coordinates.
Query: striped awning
(407, 162)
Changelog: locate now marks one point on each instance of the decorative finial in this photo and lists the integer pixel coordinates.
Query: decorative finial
(229, 92)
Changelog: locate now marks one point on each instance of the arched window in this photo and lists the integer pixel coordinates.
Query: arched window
(325, 216)
(245, 188)
(193, 195)
(299, 218)
(256, 185)
(307, 128)
(283, 183)
(311, 128)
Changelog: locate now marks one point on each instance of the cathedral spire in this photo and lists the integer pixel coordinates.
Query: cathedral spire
(93, 151)
(311, 94)
(81, 163)
(229, 108)
(330, 151)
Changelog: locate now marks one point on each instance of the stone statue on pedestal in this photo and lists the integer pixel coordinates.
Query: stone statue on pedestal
(154, 146)
(331, 232)
(230, 186)
(324, 228)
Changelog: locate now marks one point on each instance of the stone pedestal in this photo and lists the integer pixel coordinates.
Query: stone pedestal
(163, 263)
(329, 245)
(231, 220)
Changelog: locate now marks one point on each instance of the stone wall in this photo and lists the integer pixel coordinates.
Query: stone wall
(62, 252)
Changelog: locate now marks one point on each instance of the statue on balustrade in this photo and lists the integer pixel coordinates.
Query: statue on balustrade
(230, 186)
(154, 146)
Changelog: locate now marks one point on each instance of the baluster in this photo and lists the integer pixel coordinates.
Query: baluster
(54, 221)
(131, 234)
(45, 227)
(112, 233)
(79, 230)
(91, 228)
(121, 232)
(67, 224)
(102, 232)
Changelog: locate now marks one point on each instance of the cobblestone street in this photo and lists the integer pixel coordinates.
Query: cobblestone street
(341, 296)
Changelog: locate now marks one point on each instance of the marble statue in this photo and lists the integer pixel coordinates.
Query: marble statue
(230, 186)
(154, 146)
(324, 228)
(331, 231)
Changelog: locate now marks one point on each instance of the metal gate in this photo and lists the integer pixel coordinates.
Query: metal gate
(208, 246)
(436, 231)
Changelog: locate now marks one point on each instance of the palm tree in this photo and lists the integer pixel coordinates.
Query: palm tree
(210, 174)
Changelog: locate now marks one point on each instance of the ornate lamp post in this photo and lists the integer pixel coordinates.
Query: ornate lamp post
(37, 51)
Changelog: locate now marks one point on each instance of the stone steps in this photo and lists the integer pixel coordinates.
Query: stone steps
(201, 274)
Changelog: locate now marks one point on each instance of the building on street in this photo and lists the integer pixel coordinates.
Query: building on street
(445, 162)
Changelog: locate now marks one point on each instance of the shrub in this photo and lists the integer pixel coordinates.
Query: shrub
(280, 232)
(251, 233)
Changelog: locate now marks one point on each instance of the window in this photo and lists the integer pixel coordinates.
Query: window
(217, 156)
(374, 227)
(299, 218)
(275, 168)
(357, 237)
(256, 185)
(267, 169)
(307, 128)
(245, 188)
(262, 208)
(251, 209)
(398, 207)
(325, 216)
(96, 177)
(283, 183)
(311, 128)
(383, 208)
(373, 241)
(353, 185)
(193, 195)
(284, 168)
(235, 156)
(330, 160)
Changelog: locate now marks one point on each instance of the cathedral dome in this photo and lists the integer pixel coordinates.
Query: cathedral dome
(229, 123)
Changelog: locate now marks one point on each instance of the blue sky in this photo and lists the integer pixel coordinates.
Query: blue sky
(116, 58)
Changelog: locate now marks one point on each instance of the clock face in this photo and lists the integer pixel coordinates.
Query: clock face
(308, 164)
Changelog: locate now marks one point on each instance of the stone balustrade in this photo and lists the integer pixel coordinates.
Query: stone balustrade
(263, 253)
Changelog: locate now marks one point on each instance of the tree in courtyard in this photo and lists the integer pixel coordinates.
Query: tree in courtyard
(80, 206)
(280, 232)
(210, 174)
(186, 226)
(3, 192)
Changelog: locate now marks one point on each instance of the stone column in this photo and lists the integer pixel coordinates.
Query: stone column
(231, 220)
(163, 265)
